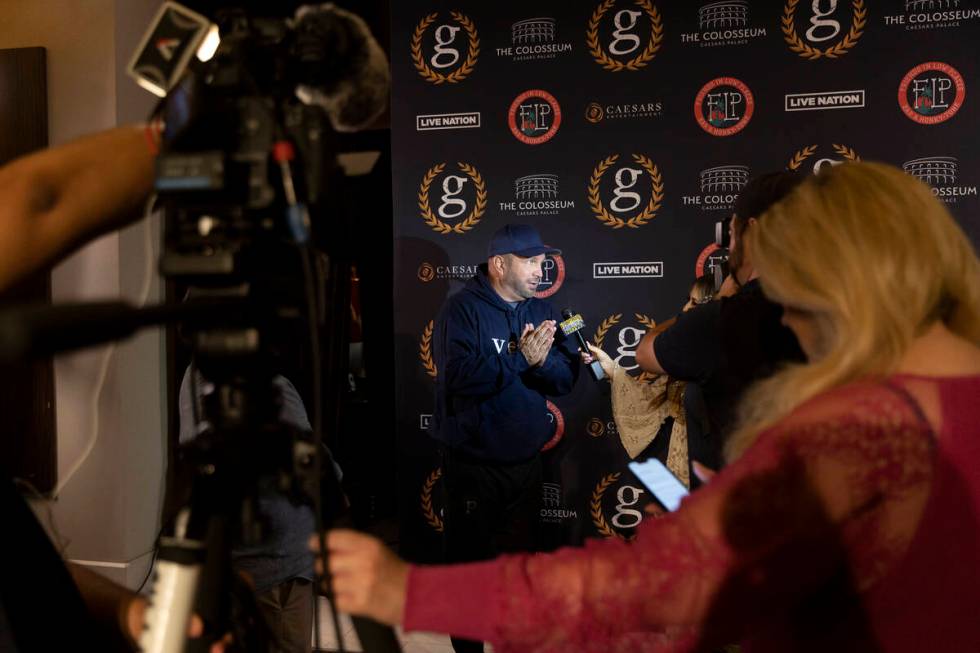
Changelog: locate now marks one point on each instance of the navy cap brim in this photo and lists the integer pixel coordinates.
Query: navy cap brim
(534, 251)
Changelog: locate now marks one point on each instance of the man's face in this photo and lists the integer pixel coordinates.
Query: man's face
(522, 274)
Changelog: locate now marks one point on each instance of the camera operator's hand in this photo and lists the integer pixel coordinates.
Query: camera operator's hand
(368, 579)
(536, 343)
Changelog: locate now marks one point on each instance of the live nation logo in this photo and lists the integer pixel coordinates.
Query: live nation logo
(719, 187)
(628, 270)
(724, 106)
(537, 194)
(931, 93)
(816, 157)
(534, 117)
(428, 272)
(597, 112)
(435, 121)
(943, 176)
(825, 100)
(451, 53)
(534, 38)
(723, 23)
(932, 14)
(552, 276)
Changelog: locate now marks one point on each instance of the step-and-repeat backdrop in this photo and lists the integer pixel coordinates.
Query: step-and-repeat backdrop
(623, 130)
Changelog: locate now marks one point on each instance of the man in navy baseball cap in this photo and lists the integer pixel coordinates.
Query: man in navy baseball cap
(499, 356)
(520, 240)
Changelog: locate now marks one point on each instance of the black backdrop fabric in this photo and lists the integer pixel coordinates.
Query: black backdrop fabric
(622, 130)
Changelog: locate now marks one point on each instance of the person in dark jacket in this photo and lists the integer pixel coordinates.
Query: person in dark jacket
(499, 353)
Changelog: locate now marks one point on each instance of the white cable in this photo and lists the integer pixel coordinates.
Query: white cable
(107, 357)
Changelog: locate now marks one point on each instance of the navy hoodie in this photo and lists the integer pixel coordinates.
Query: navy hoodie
(490, 404)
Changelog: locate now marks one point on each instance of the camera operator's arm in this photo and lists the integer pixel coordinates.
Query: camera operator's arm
(686, 348)
(646, 355)
(53, 201)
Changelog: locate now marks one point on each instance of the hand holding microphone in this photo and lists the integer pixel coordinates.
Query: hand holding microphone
(573, 325)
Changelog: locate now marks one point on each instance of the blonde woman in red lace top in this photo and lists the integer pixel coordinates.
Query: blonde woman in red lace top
(849, 518)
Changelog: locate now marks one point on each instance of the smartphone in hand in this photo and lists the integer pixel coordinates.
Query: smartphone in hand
(661, 482)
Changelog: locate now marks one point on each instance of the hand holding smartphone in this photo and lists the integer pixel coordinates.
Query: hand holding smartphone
(663, 485)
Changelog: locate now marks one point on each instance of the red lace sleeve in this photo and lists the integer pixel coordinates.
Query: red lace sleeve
(829, 498)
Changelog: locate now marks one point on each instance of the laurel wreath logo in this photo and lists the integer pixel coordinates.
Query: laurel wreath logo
(797, 45)
(472, 219)
(432, 518)
(472, 52)
(595, 507)
(640, 60)
(613, 320)
(803, 154)
(425, 350)
(648, 213)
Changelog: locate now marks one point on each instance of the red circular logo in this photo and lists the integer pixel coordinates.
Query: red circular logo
(553, 276)
(931, 93)
(709, 257)
(724, 106)
(534, 117)
(559, 427)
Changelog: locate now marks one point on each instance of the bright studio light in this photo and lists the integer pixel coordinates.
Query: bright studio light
(209, 45)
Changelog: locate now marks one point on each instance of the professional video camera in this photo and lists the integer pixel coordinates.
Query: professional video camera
(245, 175)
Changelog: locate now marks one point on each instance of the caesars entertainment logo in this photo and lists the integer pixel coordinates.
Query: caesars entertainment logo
(597, 112)
(824, 100)
(461, 199)
(553, 509)
(816, 158)
(710, 258)
(534, 117)
(724, 106)
(534, 38)
(598, 427)
(424, 420)
(626, 195)
(931, 93)
(932, 14)
(624, 35)
(552, 276)
(624, 338)
(823, 28)
(537, 195)
(428, 272)
(943, 176)
(449, 55)
(616, 506)
(723, 23)
(719, 188)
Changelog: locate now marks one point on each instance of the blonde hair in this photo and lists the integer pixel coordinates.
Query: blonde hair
(876, 259)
